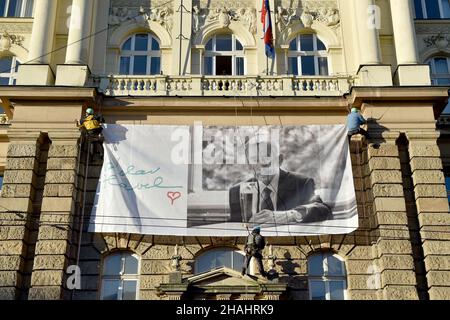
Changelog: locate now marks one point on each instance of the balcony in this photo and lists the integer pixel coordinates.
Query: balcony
(214, 86)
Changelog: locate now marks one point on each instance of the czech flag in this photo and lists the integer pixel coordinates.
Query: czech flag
(267, 28)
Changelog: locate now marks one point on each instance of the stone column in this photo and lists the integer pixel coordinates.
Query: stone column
(404, 32)
(79, 32)
(58, 215)
(395, 258)
(76, 71)
(369, 43)
(201, 52)
(372, 73)
(432, 211)
(38, 71)
(17, 222)
(406, 46)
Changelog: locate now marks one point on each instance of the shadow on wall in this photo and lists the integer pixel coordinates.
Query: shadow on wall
(297, 284)
(376, 130)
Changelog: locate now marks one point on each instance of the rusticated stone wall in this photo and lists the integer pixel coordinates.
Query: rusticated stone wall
(381, 257)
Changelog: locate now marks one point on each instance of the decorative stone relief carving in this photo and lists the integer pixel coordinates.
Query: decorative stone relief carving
(307, 12)
(440, 41)
(224, 13)
(4, 119)
(7, 40)
(16, 28)
(162, 15)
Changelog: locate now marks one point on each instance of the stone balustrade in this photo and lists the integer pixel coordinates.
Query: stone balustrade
(160, 85)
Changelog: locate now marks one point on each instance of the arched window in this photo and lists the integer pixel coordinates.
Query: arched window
(432, 9)
(140, 55)
(326, 277)
(8, 70)
(120, 277)
(16, 8)
(217, 258)
(440, 71)
(307, 56)
(224, 56)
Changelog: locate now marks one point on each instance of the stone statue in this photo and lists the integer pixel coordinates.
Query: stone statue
(198, 17)
(251, 19)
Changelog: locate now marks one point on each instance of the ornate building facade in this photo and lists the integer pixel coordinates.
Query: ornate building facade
(181, 61)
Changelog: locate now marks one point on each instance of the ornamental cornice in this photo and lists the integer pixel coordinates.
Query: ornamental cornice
(16, 26)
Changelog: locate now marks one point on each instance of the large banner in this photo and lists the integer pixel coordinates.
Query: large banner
(223, 181)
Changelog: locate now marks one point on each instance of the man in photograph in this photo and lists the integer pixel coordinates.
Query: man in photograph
(281, 197)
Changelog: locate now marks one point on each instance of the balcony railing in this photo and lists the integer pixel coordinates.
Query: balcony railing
(117, 85)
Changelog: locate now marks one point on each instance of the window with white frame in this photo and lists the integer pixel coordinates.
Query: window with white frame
(307, 56)
(224, 56)
(326, 277)
(219, 257)
(432, 9)
(16, 8)
(440, 71)
(120, 277)
(8, 70)
(140, 55)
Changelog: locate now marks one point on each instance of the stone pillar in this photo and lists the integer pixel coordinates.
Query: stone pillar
(408, 72)
(371, 72)
(432, 210)
(38, 71)
(391, 234)
(75, 72)
(181, 49)
(201, 65)
(58, 215)
(16, 213)
(404, 32)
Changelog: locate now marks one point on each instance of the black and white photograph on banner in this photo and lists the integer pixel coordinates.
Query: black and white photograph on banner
(290, 179)
(223, 181)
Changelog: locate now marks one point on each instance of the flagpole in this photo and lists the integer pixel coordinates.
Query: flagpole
(267, 65)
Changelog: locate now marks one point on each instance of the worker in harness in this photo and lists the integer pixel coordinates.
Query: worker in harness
(253, 248)
(354, 122)
(91, 126)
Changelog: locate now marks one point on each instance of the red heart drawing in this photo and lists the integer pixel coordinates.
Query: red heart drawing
(173, 196)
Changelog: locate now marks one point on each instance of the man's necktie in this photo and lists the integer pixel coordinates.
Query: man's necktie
(267, 203)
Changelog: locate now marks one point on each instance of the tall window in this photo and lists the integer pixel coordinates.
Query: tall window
(440, 71)
(140, 55)
(8, 70)
(224, 55)
(307, 56)
(326, 276)
(120, 277)
(16, 8)
(432, 9)
(217, 258)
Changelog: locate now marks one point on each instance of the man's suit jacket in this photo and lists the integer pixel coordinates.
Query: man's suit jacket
(294, 191)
